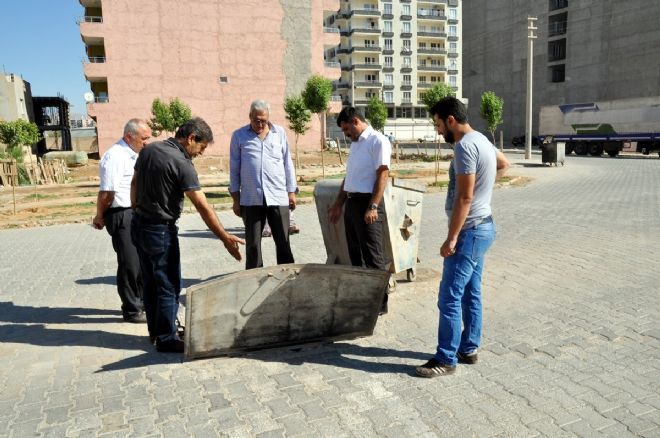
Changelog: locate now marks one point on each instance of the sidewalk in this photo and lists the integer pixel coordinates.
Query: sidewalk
(571, 343)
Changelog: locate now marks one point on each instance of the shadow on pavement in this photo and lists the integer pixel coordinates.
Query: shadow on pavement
(344, 355)
(207, 234)
(97, 280)
(38, 334)
(9, 312)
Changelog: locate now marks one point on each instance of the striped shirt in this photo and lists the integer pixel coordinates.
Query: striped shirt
(261, 169)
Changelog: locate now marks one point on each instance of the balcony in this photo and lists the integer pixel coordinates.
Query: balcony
(360, 30)
(90, 3)
(369, 66)
(363, 13)
(368, 84)
(331, 29)
(453, 37)
(406, 69)
(431, 67)
(364, 49)
(406, 86)
(431, 34)
(388, 69)
(388, 16)
(406, 17)
(426, 51)
(388, 51)
(388, 86)
(406, 101)
(424, 85)
(434, 2)
(340, 85)
(388, 34)
(332, 64)
(430, 15)
(452, 53)
(406, 34)
(452, 21)
(89, 19)
(452, 71)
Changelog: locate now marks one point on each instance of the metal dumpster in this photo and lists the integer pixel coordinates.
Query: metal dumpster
(281, 305)
(553, 153)
(403, 216)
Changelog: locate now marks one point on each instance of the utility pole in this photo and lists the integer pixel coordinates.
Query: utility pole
(531, 27)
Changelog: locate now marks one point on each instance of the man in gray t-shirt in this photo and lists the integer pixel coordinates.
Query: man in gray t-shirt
(471, 232)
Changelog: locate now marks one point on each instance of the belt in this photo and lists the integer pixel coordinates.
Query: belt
(484, 220)
(350, 195)
(155, 221)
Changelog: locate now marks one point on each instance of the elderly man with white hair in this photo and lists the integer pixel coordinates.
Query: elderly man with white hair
(262, 183)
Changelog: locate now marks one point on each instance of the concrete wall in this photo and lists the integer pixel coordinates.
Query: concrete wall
(15, 98)
(166, 48)
(613, 52)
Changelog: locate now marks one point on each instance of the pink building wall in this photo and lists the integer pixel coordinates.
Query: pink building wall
(173, 48)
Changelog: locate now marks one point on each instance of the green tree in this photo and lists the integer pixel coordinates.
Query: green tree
(16, 134)
(492, 108)
(376, 113)
(299, 117)
(316, 95)
(167, 117)
(436, 93)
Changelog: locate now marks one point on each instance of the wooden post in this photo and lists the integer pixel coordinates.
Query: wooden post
(502, 141)
(339, 150)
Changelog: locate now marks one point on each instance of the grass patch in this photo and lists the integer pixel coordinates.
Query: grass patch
(37, 196)
(504, 179)
(438, 184)
(80, 205)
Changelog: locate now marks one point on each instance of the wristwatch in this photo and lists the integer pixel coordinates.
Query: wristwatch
(373, 207)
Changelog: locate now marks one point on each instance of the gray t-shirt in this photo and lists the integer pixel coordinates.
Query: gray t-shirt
(473, 154)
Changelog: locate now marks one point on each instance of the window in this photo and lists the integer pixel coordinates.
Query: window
(453, 30)
(369, 7)
(388, 61)
(371, 78)
(406, 97)
(370, 94)
(387, 8)
(406, 45)
(369, 43)
(421, 45)
(453, 48)
(406, 80)
(557, 4)
(369, 60)
(420, 113)
(388, 97)
(389, 79)
(557, 50)
(452, 80)
(387, 26)
(558, 73)
(403, 113)
(405, 9)
(407, 61)
(422, 79)
(453, 14)
(406, 27)
(434, 79)
(388, 44)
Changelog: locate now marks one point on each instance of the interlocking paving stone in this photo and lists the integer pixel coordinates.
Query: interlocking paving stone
(570, 344)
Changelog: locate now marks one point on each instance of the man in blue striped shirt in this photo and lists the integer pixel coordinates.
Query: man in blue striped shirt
(262, 183)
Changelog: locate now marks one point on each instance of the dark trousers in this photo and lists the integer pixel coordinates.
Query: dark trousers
(365, 241)
(129, 280)
(254, 218)
(160, 259)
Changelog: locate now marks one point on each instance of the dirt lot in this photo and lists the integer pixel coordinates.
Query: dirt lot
(75, 201)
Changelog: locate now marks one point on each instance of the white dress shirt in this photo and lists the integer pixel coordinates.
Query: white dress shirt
(116, 172)
(371, 151)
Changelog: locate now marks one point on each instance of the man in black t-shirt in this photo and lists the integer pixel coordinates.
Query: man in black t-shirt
(163, 174)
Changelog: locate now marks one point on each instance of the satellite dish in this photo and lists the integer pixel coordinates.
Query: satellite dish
(89, 97)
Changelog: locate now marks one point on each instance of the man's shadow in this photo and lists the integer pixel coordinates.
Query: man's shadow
(9, 312)
(207, 234)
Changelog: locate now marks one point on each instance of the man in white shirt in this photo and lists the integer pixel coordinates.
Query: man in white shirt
(367, 171)
(113, 211)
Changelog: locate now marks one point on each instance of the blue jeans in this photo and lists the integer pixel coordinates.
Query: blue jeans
(160, 262)
(460, 293)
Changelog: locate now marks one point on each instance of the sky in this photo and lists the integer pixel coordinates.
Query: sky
(40, 41)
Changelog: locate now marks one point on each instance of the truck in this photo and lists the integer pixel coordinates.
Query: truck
(607, 126)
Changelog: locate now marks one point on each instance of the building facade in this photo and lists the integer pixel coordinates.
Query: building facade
(217, 56)
(585, 51)
(15, 98)
(396, 50)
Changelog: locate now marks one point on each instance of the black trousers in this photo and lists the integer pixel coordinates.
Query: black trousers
(365, 241)
(129, 279)
(254, 219)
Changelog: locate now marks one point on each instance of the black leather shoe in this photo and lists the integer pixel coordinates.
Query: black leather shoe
(171, 346)
(138, 318)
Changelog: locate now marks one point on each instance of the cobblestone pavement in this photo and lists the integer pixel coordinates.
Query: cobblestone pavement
(571, 331)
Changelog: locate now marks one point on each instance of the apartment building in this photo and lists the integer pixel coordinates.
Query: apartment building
(215, 55)
(396, 50)
(585, 51)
